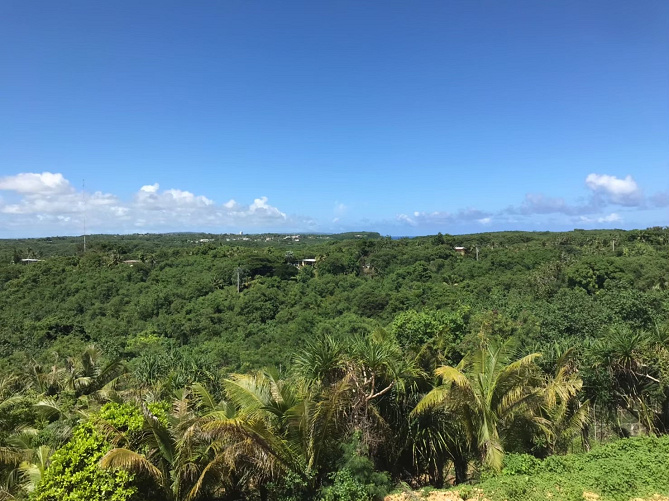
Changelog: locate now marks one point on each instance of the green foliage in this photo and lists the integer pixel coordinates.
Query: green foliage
(356, 478)
(74, 474)
(619, 471)
(345, 488)
(357, 338)
(123, 417)
(540, 286)
(520, 464)
(414, 328)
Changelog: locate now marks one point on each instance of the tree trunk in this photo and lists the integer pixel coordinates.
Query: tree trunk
(439, 473)
(460, 465)
(585, 437)
(664, 413)
(263, 492)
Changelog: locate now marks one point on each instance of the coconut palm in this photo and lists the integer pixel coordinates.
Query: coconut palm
(27, 462)
(168, 452)
(362, 388)
(486, 392)
(275, 420)
(10, 455)
(229, 448)
(88, 373)
(85, 374)
(565, 415)
(634, 364)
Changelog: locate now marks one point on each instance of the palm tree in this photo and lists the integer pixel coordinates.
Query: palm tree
(363, 388)
(171, 457)
(85, 374)
(230, 447)
(271, 429)
(486, 393)
(88, 374)
(563, 415)
(353, 382)
(634, 364)
(436, 437)
(27, 462)
(48, 380)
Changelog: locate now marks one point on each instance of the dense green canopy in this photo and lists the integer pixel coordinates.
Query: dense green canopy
(374, 361)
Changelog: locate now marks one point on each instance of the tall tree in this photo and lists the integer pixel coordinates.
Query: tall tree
(486, 392)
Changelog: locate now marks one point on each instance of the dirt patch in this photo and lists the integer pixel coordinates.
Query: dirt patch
(477, 495)
(421, 496)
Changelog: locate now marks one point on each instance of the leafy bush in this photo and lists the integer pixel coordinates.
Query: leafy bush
(345, 488)
(520, 464)
(74, 474)
(356, 479)
(627, 468)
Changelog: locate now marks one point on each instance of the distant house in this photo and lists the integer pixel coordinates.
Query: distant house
(30, 260)
(306, 262)
(131, 262)
(460, 250)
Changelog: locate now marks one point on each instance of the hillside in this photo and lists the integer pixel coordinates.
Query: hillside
(333, 367)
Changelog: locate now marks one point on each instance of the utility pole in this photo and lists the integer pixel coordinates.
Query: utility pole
(238, 271)
(477, 253)
(613, 245)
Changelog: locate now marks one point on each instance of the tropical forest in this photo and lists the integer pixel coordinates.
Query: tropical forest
(348, 367)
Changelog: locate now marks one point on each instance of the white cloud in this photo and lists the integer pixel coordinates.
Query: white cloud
(48, 200)
(60, 203)
(150, 188)
(537, 203)
(615, 190)
(441, 218)
(150, 198)
(262, 208)
(604, 190)
(29, 183)
(611, 218)
(180, 197)
(403, 218)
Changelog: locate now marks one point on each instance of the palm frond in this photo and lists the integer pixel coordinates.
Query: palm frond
(5, 495)
(48, 407)
(204, 397)
(218, 465)
(163, 440)
(493, 453)
(250, 393)
(453, 375)
(436, 397)
(128, 460)
(10, 456)
(13, 400)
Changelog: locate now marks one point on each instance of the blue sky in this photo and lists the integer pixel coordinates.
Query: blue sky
(406, 118)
